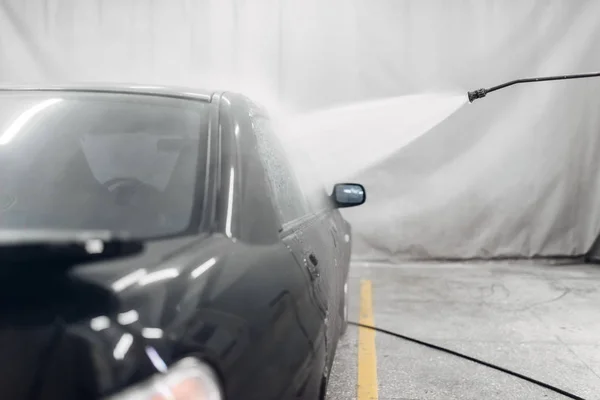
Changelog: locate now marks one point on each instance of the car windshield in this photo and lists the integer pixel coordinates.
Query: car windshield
(101, 161)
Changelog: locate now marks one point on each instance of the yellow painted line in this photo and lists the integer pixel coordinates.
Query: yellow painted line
(367, 358)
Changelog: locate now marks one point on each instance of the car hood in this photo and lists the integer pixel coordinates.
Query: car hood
(103, 326)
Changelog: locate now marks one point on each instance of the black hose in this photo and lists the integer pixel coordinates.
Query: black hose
(478, 94)
(475, 360)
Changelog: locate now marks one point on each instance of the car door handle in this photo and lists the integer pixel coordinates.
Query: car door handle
(334, 236)
(311, 265)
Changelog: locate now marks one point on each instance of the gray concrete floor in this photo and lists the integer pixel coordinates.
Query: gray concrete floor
(539, 320)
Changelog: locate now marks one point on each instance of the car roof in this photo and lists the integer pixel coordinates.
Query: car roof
(137, 89)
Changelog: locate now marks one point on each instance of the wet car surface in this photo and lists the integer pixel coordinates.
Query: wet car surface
(157, 243)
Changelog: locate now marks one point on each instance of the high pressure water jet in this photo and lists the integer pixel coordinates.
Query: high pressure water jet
(478, 94)
(344, 141)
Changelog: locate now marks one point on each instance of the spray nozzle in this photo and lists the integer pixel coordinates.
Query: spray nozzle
(477, 94)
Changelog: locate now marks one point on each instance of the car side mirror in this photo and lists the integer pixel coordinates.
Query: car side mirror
(348, 195)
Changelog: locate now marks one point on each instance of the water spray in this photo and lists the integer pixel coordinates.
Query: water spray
(480, 93)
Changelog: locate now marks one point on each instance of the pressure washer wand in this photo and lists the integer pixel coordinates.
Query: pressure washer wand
(478, 94)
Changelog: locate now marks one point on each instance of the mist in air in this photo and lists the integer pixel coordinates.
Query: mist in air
(334, 145)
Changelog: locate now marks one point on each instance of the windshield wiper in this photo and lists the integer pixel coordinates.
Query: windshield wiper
(65, 247)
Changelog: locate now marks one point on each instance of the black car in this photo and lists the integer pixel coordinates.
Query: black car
(156, 244)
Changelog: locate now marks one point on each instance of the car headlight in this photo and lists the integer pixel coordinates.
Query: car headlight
(188, 379)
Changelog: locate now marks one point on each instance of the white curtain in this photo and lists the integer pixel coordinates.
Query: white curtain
(513, 174)
(277, 50)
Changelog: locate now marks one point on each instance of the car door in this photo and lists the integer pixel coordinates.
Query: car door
(332, 252)
(332, 228)
(301, 230)
(314, 239)
(329, 280)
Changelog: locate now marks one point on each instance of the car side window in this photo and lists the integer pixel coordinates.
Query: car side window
(288, 196)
